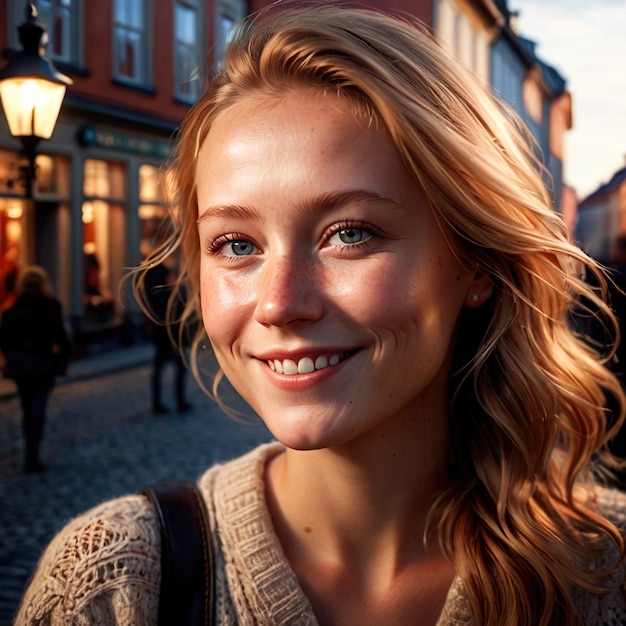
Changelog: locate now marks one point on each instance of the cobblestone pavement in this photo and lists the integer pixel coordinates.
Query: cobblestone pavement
(101, 441)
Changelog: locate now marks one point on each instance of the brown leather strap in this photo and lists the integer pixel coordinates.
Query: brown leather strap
(187, 577)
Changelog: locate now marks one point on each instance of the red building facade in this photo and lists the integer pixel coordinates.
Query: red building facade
(137, 67)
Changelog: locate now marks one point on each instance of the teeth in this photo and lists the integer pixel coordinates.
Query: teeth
(321, 362)
(305, 365)
(289, 367)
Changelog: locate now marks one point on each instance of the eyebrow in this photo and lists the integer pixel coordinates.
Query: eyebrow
(322, 202)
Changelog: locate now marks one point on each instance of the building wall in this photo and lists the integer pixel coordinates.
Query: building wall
(120, 127)
(601, 220)
(123, 130)
(508, 71)
(422, 9)
(467, 32)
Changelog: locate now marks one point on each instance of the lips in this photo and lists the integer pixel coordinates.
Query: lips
(307, 364)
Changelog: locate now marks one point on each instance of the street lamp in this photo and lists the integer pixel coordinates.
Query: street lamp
(32, 91)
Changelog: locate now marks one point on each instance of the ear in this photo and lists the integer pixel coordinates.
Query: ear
(479, 291)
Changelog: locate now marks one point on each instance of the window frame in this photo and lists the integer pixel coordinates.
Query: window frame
(187, 70)
(141, 74)
(234, 11)
(73, 49)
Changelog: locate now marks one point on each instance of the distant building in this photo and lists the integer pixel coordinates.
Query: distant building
(602, 218)
(537, 93)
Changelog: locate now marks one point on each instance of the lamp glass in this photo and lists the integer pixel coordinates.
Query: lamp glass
(31, 105)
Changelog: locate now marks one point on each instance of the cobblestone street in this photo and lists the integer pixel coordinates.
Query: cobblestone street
(101, 441)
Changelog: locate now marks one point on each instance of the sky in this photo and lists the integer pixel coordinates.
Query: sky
(585, 40)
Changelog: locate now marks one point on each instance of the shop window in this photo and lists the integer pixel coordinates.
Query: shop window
(228, 14)
(11, 247)
(132, 44)
(52, 175)
(103, 238)
(187, 22)
(11, 179)
(152, 211)
(18, 222)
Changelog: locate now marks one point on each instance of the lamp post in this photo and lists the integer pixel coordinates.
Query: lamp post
(32, 91)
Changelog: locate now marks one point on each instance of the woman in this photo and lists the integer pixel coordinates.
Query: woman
(382, 277)
(36, 348)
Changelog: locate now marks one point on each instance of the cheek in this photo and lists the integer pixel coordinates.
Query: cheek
(225, 306)
(424, 309)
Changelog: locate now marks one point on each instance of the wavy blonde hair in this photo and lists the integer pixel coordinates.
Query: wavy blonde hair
(528, 402)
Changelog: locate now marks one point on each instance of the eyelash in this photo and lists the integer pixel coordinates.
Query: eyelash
(217, 244)
(373, 231)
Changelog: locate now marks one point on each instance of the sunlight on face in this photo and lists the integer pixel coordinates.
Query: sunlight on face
(328, 290)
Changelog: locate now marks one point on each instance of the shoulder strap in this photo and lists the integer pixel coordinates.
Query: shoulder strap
(187, 577)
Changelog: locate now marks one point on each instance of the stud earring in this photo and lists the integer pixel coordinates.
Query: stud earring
(474, 297)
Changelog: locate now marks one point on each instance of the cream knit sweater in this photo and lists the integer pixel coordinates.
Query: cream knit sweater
(103, 567)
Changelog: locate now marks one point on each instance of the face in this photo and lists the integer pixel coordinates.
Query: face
(329, 291)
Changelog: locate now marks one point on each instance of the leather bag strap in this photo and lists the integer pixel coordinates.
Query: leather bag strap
(187, 593)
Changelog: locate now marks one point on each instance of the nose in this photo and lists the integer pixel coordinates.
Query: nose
(288, 292)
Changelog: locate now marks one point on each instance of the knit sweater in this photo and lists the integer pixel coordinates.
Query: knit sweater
(104, 566)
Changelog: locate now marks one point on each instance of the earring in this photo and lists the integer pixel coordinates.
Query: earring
(474, 297)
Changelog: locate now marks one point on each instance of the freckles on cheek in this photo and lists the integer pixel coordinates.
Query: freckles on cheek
(224, 305)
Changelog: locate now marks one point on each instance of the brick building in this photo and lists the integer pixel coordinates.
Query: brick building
(137, 67)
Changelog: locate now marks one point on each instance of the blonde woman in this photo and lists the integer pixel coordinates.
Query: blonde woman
(382, 277)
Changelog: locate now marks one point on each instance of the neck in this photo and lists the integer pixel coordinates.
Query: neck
(364, 502)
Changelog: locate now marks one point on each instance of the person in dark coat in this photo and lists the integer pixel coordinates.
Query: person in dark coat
(158, 291)
(36, 348)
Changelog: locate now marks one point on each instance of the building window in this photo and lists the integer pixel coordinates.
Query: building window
(103, 216)
(12, 246)
(187, 45)
(228, 14)
(152, 211)
(533, 99)
(62, 19)
(132, 46)
(24, 236)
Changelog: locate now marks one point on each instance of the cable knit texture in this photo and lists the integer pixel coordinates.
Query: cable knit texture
(104, 566)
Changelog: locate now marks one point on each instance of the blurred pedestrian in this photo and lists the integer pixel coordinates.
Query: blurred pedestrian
(37, 349)
(159, 281)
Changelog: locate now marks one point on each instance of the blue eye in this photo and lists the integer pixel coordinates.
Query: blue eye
(348, 236)
(239, 248)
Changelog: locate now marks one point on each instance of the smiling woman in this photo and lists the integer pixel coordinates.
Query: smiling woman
(366, 237)
(364, 278)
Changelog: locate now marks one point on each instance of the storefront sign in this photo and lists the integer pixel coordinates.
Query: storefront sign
(90, 136)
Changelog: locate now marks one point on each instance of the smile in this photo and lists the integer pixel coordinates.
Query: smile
(306, 364)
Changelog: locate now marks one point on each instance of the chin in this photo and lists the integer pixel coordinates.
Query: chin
(304, 437)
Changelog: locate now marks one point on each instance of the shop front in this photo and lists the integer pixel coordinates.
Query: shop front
(97, 206)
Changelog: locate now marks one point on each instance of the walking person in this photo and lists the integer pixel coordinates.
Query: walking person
(383, 278)
(159, 282)
(36, 349)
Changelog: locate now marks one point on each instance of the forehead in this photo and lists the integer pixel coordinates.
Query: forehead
(309, 138)
(298, 126)
(271, 109)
